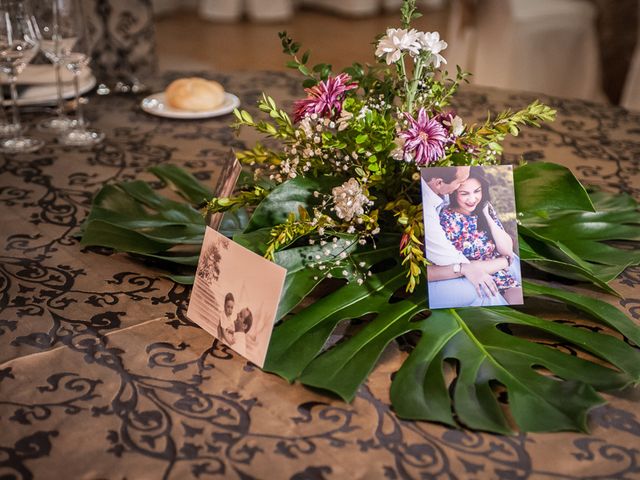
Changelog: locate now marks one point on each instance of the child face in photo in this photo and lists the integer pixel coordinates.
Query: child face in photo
(228, 307)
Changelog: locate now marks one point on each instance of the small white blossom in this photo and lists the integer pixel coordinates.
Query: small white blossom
(349, 200)
(396, 41)
(305, 125)
(456, 125)
(430, 41)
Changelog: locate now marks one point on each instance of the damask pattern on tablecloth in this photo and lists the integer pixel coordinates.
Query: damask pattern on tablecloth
(103, 376)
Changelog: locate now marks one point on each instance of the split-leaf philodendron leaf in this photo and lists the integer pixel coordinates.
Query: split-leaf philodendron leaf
(466, 359)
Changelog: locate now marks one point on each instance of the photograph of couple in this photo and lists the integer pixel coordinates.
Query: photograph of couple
(234, 328)
(235, 296)
(471, 236)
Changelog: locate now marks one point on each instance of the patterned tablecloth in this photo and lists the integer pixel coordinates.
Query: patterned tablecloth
(103, 376)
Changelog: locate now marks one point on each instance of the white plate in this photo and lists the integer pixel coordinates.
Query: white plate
(155, 105)
(47, 94)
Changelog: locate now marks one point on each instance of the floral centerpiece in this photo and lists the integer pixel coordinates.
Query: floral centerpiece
(367, 134)
(339, 202)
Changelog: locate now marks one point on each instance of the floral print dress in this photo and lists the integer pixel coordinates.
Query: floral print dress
(462, 231)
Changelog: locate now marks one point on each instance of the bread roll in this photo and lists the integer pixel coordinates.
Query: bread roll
(194, 94)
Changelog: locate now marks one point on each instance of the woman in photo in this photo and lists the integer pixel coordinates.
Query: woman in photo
(473, 227)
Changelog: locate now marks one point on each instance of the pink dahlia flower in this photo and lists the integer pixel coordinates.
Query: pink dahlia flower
(325, 98)
(425, 138)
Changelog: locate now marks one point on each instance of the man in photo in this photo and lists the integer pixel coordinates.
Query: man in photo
(453, 279)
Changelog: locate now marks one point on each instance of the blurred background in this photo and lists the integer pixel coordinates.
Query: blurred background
(585, 49)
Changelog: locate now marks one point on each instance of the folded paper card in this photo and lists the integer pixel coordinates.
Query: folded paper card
(471, 239)
(235, 296)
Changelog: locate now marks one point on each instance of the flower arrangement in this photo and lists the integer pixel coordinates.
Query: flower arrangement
(339, 203)
(371, 132)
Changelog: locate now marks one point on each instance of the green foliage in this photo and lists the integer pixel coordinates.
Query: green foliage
(490, 358)
(283, 127)
(408, 13)
(547, 389)
(314, 74)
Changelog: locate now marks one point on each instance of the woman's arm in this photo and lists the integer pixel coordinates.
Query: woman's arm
(503, 241)
(475, 267)
(478, 272)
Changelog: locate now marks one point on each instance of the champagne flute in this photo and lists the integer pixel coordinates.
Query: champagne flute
(52, 36)
(18, 45)
(74, 52)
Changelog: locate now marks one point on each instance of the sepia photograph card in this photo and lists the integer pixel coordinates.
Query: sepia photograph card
(235, 296)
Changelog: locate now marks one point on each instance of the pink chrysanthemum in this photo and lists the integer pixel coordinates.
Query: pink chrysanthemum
(325, 98)
(424, 140)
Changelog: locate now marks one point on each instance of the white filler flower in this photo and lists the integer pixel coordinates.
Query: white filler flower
(349, 200)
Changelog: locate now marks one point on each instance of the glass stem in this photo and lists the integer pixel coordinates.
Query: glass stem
(3, 113)
(76, 89)
(14, 101)
(61, 112)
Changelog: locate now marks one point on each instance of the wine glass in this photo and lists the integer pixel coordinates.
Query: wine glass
(18, 45)
(73, 50)
(51, 26)
(7, 128)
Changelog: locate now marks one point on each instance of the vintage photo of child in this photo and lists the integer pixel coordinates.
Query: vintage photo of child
(235, 296)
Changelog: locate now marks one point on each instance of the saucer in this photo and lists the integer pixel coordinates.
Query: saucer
(155, 105)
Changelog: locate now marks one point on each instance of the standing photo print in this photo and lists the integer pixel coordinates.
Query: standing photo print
(471, 238)
(235, 296)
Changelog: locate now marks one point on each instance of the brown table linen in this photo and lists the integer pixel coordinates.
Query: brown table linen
(103, 376)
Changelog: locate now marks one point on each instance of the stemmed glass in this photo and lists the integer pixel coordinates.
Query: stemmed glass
(18, 45)
(74, 52)
(49, 23)
(6, 127)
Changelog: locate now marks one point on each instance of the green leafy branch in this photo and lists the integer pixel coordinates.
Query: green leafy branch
(293, 228)
(438, 93)
(408, 13)
(318, 72)
(259, 154)
(283, 129)
(409, 216)
(493, 132)
(240, 199)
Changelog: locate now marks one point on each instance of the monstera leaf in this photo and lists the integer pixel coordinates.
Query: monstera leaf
(467, 358)
(132, 217)
(563, 229)
(468, 365)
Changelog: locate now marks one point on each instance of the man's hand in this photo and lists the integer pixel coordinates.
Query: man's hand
(481, 280)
